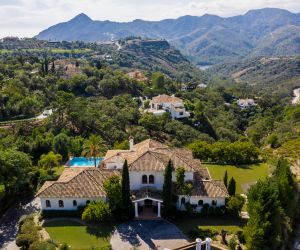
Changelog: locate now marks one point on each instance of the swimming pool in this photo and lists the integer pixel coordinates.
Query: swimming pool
(83, 162)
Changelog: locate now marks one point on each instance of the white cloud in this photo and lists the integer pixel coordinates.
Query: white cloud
(28, 17)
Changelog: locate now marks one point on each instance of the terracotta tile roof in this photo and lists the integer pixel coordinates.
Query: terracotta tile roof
(150, 155)
(166, 99)
(208, 188)
(77, 183)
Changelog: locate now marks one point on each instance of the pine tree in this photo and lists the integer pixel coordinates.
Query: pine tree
(126, 200)
(264, 228)
(167, 188)
(231, 186)
(225, 179)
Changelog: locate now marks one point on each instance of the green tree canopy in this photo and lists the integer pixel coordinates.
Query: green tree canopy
(61, 145)
(113, 189)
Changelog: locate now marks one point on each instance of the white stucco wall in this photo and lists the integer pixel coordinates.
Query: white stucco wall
(194, 201)
(68, 203)
(136, 179)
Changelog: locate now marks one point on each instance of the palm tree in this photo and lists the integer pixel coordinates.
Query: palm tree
(93, 147)
(50, 161)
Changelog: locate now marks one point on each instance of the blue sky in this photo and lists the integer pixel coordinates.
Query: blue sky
(28, 17)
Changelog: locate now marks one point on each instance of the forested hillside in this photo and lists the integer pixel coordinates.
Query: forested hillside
(278, 74)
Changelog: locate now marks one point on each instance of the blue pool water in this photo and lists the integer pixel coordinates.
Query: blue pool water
(84, 162)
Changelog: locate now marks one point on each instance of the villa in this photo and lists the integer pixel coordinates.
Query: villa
(147, 161)
(163, 103)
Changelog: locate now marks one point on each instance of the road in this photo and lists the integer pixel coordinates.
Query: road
(296, 99)
(9, 222)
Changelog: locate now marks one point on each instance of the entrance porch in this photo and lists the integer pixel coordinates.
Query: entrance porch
(147, 204)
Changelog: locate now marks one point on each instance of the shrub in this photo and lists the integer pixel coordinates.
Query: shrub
(63, 213)
(96, 212)
(64, 246)
(43, 245)
(28, 233)
(232, 244)
(235, 205)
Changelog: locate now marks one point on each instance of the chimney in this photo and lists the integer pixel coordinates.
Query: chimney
(131, 143)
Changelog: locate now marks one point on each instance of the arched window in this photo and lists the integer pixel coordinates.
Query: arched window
(151, 179)
(48, 203)
(61, 203)
(214, 203)
(74, 203)
(200, 203)
(144, 179)
(88, 202)
(182, 200)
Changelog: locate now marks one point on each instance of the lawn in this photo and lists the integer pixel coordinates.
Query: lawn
(231, 225)
(244, 175)
(79, 236)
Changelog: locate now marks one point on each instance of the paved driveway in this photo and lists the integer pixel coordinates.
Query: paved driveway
(145, 235)
(9, 222)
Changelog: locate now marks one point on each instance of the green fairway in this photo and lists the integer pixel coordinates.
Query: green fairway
(244, 175)
(79, 236)
(231, 225)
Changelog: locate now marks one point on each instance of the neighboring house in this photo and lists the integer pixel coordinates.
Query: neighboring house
(146, 162)
(138, 75)
(246, 103)
(171, 104)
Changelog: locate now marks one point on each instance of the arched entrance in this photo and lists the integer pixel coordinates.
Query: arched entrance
(147, 208)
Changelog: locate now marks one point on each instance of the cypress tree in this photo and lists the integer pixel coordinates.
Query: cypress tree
(53, 67)
(231, 186)
(46, 65)
(126, 200)
(225, 179)
(167, 188)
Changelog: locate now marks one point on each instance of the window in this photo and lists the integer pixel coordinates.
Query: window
(61, 203)
(200, 203)
(213, 202)
(88, 202)
(181, 113)
(48, 203)
(74, 203)
(182, 200)
(151, 179)
(144, 179)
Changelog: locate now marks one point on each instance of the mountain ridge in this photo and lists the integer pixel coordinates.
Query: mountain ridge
(207, 38)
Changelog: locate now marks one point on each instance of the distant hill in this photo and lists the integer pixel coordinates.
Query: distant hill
(280, 74)
(127, 54)
(206, 39)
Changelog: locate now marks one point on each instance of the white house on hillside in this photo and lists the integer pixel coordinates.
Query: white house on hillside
(171, 104)
(146, 163)
(246, 103)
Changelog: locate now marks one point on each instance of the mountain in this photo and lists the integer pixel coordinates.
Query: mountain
(206, 39)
